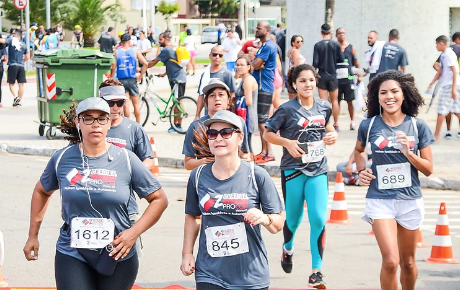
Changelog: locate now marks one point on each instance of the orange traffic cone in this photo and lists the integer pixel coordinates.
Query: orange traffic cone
(156, 168)
(371, 233)
(339, 212)
(3, 282)
(420, 242)
(441, 251)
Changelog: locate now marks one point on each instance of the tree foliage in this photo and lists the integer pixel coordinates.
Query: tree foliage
(329, 15)
(59, 10)
(167, 9)
(90, 15)
(219, 8)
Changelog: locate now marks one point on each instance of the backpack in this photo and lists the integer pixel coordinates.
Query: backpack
(182, 55)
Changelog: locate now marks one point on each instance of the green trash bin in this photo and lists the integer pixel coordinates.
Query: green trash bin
(64, 75)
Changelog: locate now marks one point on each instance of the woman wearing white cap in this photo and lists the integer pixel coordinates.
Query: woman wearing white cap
(95, 248)
(227, 202)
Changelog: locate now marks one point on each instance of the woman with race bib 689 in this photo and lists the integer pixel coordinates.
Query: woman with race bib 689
(394, 204)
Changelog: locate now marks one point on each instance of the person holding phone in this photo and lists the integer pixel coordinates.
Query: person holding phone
(305, 131)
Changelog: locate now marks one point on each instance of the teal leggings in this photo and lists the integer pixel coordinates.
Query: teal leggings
(297, 188)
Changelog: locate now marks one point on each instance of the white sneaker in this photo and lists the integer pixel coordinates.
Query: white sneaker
(16, 101)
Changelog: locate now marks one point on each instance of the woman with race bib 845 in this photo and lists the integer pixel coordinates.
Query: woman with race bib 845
(304, 134)
(394, 205)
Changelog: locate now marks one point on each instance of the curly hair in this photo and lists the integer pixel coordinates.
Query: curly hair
(68, 124)
(202, 145)
(110, 82)
(295, 71)
(412, 98)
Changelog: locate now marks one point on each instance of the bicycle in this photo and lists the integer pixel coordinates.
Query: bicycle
(182, 108)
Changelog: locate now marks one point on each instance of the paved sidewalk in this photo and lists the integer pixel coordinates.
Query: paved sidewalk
(19, 135)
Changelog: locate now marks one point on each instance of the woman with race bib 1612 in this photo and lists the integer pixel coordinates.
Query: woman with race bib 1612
(305, 131)
(394, 204)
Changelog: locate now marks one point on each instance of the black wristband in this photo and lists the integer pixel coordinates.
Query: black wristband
(359, 171)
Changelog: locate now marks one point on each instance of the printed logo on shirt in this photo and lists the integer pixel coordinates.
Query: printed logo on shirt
(317, 121)
(74, 176)
(117, 141)
(389, 142)
(228, 202)
(102, 177)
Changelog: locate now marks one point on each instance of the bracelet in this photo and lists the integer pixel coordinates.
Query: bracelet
(359, 171)
(270, 220)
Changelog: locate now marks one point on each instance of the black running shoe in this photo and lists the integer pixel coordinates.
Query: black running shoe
(316, 281)
(286, 262)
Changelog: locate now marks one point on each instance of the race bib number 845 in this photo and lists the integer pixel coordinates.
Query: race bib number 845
(228, 240)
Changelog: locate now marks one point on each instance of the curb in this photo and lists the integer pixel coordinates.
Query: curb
(425, 182)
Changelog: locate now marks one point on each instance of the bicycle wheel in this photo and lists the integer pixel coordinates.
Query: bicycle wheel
(145, 109)
(184, 114)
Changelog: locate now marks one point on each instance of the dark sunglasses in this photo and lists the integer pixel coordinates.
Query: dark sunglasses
(225, 133)
(217, 54)
(119, 103)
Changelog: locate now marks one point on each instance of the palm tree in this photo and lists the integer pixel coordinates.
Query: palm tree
(58, 12)
(90, 15)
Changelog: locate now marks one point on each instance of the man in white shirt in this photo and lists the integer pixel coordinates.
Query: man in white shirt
(448, 100)
(231, 46)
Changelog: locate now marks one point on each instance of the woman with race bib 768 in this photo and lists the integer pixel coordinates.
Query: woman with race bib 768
(394, 204)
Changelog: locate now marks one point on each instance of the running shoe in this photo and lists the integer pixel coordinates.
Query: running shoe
(171, 130)
(259, 156)
(448, 136)
(265, 159)
(458, 134)
(352, 125)
(286, 262)
(316, 281)
(16, 101)
(179, 128)
(336, 128)
(1, 106)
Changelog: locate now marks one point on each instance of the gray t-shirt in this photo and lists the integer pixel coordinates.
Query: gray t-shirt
(296, 123)
(221, 203)
(107, 43)
(109, 183)
(393, 57)
(384, 153)
(132, 136)
(224, 75)
(174, 71)
(188, 149)
(16, 52)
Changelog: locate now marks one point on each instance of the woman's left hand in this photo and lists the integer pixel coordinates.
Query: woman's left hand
(330, 138)
(123, 243)
(255, 216)
(402, 139)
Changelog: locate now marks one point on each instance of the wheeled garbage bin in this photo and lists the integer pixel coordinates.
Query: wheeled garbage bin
(64, 75)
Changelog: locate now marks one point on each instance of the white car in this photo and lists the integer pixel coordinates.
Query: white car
(209, 34)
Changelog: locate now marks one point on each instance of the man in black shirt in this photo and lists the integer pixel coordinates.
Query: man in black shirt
(326, 54)
(107, 41)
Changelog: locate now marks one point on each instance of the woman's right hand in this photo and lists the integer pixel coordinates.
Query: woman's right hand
(292, 146)
(32, 245)
(365, 177)
(188, 264)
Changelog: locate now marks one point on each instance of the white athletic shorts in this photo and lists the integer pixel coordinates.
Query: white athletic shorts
(446, 104)
(407, 213)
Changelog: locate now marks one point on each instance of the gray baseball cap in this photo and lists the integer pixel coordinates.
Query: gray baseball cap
(214, 83)
(112, 93)
(96, 104)
(224, 116)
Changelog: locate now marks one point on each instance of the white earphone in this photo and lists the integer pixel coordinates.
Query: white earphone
(295, 87)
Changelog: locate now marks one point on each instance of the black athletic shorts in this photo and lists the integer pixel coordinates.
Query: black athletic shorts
(328, 83)
(180, 89)
(130, 86)
(264, 102)
(16, 73)
(346, 93)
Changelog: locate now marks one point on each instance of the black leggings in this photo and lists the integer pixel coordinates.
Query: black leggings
(1, 78)
(73, 274)
(209, 286)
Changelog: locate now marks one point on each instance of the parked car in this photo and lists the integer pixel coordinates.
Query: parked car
(209, 34)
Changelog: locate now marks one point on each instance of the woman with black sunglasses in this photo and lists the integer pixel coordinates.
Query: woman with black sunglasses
(227, 202)
(95, 249)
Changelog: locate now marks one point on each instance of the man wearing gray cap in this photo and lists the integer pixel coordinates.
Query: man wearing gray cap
(216, 98)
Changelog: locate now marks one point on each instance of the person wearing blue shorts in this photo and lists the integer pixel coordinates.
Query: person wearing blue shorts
(303, 123)
(401, 147)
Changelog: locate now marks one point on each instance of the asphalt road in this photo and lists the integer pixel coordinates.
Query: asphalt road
(351, 259)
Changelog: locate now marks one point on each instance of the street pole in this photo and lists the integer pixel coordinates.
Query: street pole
(144, 14)
(152, 14)
(28, 35)
(22, 17)
(48, 17)
(241, 19)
